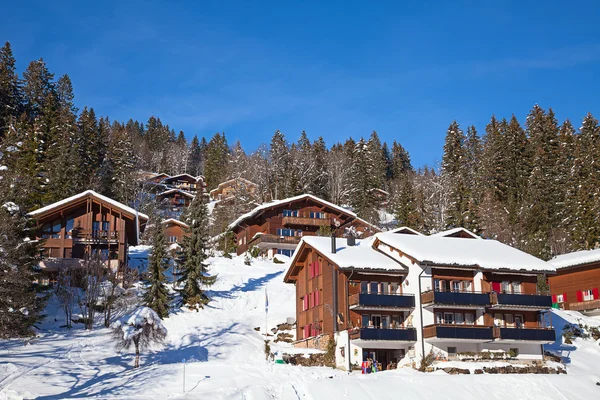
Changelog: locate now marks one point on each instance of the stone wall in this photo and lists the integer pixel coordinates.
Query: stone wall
(318, 342)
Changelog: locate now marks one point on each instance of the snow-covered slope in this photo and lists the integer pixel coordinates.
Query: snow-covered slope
(225, 358)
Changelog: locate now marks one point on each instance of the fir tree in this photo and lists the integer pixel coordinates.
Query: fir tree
(10, 95)
(363, 179)
(120, 165)
(279, 155)
(156, 295)
(215, 167)
(195, 158)
(454, 177)
(191, 262)
(320, 183)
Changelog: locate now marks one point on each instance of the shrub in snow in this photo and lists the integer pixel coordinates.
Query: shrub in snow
(141, 329)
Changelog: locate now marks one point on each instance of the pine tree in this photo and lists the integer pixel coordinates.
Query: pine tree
(156, 295)
(195, 158)
(191, 261)
(279, 155)
(454, 177)
(400, 161)
(120, 165)
(473, 151)
(215, 167)
(378, 165)
(10, 96)
(320, 183)
(20, 304)
(363, 179)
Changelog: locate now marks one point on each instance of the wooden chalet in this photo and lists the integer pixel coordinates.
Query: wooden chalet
(400, 294)
(83, 226)
(173, 202)
(278, 226)
(576, 284)
(234, 187)
(175, 230)
(156, 178)
(185, 182)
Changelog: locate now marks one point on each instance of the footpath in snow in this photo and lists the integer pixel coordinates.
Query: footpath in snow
(225, 359)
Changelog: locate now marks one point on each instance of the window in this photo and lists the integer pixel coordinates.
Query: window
(51, 230)
(70, 224)
(105, 225)
(451, 351)
(366, 320)
(374, 287)
(470, 319)
(305, 303)
(468, 286)
(299, 233)
(560, 298)
(459, 318)
(519, 321)
(449, 318)
(385, 322)
(505, 287)
(364, 287)
(588, 295)
(181, 201)
(290, 213)
(509, 320)
(286, 232)
(318, 215)
(397, 321)
(516, 287)
(456, 286)
(285, 252)
(172, 239)
(439, 319)
(394, 288)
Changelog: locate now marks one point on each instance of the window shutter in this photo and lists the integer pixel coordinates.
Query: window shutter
(553, 298)
(595, 293)
(579, 295)
(306, 331)
(317, 297)
(496, 287)
(317, 271)
(305, 303)
(564, 297)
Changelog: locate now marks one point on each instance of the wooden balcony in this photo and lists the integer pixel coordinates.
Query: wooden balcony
(302, 221)
(585, 305)
(274, 239)
(392, 334)
(449, 332)
(97, 235)
(544, 335)
(461, 299)
(520, 301)
(367, 301)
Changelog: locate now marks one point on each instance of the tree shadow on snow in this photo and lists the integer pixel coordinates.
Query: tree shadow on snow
(251, 285)
(558, 347)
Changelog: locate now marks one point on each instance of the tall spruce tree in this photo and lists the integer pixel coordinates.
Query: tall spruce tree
(216, 164)
(10, 95)
(365, 175)
(191, 261)
(454, 177)
(279, 155)
(156, 295)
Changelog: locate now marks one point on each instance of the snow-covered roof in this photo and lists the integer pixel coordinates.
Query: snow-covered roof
(91, 193)
(486, 254)
(175, 221)
(454, 231)
(176, 190)
(576, 258)
(402, 229)
(196, 178)
(233, 180)
(360, 256)
(366, 223)
(275, 203)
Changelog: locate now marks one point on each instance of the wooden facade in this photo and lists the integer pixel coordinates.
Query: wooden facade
(175, 230)
(84, 226)
(232, 188)
(279, 228)
(187, 182)
(577, 287)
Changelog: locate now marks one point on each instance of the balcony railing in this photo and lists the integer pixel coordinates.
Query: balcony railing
(520, 299)
(474, 332)
(403, 334)
(456, 298)
(382, 300)
(306, 221)
(96, 234)
(585, 305)
(267, 238)
(536, 334)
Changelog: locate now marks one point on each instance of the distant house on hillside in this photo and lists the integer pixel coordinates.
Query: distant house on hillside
(576, 286)
(234, 187)
(398, 295)
(84, 226)
(187, 182)
(173, 202)
(175, 230)
(278, 226)
(381, 196)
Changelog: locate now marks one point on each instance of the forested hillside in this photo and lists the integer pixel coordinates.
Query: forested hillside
(533, 184)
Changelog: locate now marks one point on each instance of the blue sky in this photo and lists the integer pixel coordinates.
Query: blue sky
(333, 68)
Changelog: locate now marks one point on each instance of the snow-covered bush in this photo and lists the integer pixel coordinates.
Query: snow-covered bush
(142, 328)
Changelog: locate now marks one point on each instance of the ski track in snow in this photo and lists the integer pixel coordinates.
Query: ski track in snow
(225, 358)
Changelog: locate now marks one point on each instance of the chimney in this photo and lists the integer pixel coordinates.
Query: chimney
(350, 239)
(333, 247)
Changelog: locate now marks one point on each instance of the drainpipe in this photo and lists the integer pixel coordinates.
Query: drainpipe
(421, 314)
(335, 298)
(348, 319)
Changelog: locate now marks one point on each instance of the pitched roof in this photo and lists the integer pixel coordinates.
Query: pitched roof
(175, 221)
(576, 258)
(82, 195)
(266, 206)
(196, 178)
(360, 256)
(486, 254)
(454, 231)
(404, 229)
(176, 190)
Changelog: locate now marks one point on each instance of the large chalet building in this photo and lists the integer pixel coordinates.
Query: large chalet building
(399, 295)
(278, 226)
(576, 284)
(83, 226)
(234, 187)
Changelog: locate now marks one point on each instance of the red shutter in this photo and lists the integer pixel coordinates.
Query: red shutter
(306, 331)
(312, 330)
(595, 293)
(311, 270)
(317, 268)
(305, 303)
(553, 298)
(317, 297)
(579, 295)
(564, 297)
(496, 287)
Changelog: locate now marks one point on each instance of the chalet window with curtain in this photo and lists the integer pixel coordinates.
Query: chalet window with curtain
(317, 215)
(51, 230)
(588, 295)
(290, 213)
